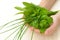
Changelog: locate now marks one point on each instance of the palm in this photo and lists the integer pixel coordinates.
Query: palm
(52, 28)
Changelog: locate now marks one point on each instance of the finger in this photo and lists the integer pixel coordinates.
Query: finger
(37, 30)
(31, 28)
(52, 28)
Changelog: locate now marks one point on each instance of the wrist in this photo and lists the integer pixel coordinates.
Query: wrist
(47, 3)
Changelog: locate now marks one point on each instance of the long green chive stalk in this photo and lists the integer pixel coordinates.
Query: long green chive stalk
(32, 34)
(11, 34)
(10, 22)
(33, 15)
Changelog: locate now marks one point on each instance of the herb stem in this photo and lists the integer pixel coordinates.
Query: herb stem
(32, 35)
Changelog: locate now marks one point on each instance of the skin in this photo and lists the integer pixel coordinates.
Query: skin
(47, 3)
(55, 17)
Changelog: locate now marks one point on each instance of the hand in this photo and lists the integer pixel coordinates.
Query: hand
(55, 24)
(53, 27)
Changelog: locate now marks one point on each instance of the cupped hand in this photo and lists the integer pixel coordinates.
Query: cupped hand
(53, 27)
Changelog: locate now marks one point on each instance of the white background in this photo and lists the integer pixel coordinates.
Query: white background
(7, 13)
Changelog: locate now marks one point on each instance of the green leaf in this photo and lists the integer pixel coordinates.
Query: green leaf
(42, 30)
(19, 13)
(52, 13)
(27, 4)
(19, 8)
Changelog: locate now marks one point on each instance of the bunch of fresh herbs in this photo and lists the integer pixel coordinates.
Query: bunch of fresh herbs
(36, 16)
(33, 15)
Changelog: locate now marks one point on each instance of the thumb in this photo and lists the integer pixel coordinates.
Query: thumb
(52, 28)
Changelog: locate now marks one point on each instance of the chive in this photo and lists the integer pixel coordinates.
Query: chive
(9, 29)
(21, 30)
(17, 34)
(32, 34)
(23, 33)
(11, 34)
(9, 23)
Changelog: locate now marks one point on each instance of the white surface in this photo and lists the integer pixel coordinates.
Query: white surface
(7, 13)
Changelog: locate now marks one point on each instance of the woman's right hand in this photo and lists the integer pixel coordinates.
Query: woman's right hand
(52, 28)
